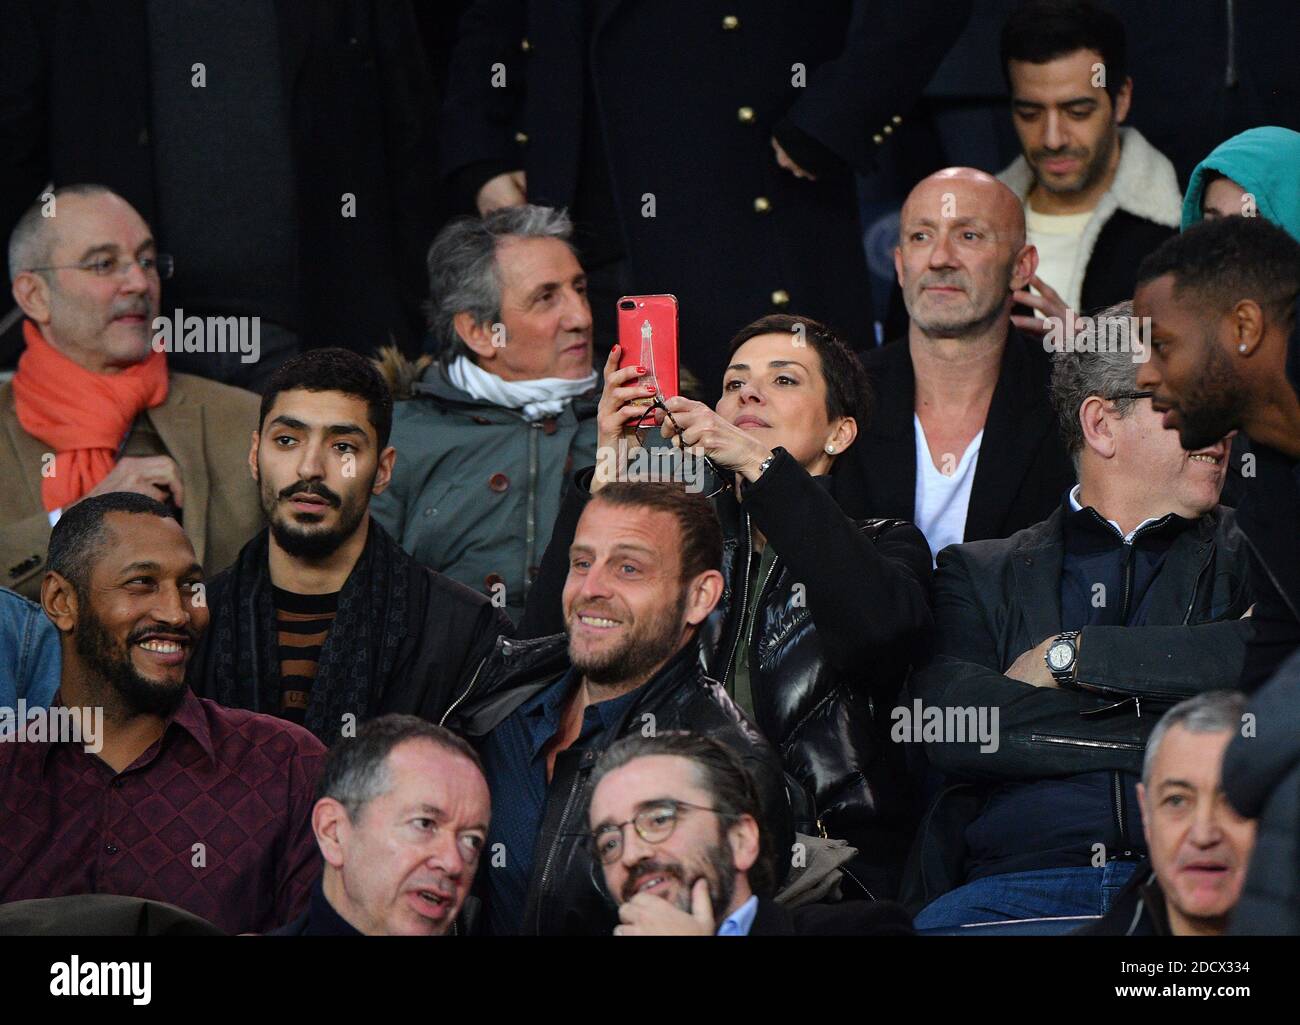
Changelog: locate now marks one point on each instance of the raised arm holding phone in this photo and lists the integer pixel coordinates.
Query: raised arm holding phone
(793, 397)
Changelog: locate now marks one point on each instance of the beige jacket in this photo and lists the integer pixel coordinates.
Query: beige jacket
(206, 428)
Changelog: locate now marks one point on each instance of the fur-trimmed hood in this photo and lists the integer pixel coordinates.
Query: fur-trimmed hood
(398, 372)
(1145, 185)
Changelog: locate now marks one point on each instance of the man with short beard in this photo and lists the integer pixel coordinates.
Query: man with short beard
(643, 575)
(964, 381)
(1224, 303)
(696, 861)
(324, 619)
(1097, 197)
(161, 794)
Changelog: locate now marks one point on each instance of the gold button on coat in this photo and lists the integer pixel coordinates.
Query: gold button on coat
(761, 205)
(745, 114)
(780, 297)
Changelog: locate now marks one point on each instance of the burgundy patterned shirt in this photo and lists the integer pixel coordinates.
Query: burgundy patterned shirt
(215, 817)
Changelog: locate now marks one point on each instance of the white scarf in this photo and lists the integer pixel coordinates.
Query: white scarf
(546, 396)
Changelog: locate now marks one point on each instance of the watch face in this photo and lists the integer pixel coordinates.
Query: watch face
(1060, 655)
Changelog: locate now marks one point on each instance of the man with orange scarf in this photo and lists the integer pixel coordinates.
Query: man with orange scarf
(93, 408)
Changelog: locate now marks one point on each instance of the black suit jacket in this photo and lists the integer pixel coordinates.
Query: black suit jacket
(1023, 469)
(361, 115)
(846, 918)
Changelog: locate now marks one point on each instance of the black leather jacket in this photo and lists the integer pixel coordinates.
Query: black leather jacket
(842, 616)
(563, 895)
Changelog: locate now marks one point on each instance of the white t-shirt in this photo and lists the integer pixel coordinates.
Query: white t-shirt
(942, 499)
(1056, 236)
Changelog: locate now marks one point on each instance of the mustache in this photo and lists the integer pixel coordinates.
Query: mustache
(137, 307)
(313, 488)
(1056, 154)
(649, 868)
(943, 280)
(186, 634)
(605, 611)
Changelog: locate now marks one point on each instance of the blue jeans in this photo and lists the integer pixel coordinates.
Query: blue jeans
(1047, 893)
(30, 659)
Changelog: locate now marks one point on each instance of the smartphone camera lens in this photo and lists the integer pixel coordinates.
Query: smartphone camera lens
(627, 304)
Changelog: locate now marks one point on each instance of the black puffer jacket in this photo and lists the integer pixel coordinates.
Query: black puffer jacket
(842, 616)
(563, 898)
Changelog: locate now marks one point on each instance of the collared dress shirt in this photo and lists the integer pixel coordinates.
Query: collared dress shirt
(214, 817)
(514, 757)
(740, 921)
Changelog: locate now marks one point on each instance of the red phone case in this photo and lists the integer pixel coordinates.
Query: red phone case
(660, 313)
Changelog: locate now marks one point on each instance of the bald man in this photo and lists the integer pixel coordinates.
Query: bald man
(93, 408)
(963, 442)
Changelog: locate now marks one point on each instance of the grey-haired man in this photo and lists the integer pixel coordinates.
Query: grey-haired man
(1200, 845)
(489, 431)
(1128, 598)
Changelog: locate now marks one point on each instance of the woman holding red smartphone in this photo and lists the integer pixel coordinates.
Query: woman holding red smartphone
(823, 615)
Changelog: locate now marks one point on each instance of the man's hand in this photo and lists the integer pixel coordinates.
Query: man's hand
(1031, 666)
(509, 189)
(613, 415)
(783, 158)
(154, 476)
(703, 430)
(648, 915)
(1048, 301)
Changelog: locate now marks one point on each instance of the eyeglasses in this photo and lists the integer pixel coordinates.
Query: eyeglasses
(1131, 395)
(160, 266)
(653, 824)
(721, 481)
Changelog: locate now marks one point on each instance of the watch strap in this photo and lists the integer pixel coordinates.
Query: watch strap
(1065, 677)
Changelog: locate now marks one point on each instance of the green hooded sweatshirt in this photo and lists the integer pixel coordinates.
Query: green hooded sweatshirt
(1263, 161)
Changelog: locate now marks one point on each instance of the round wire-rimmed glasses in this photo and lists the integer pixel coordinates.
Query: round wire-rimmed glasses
(654, 824)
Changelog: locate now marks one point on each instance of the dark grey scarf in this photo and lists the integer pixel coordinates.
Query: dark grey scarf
(239, 665)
